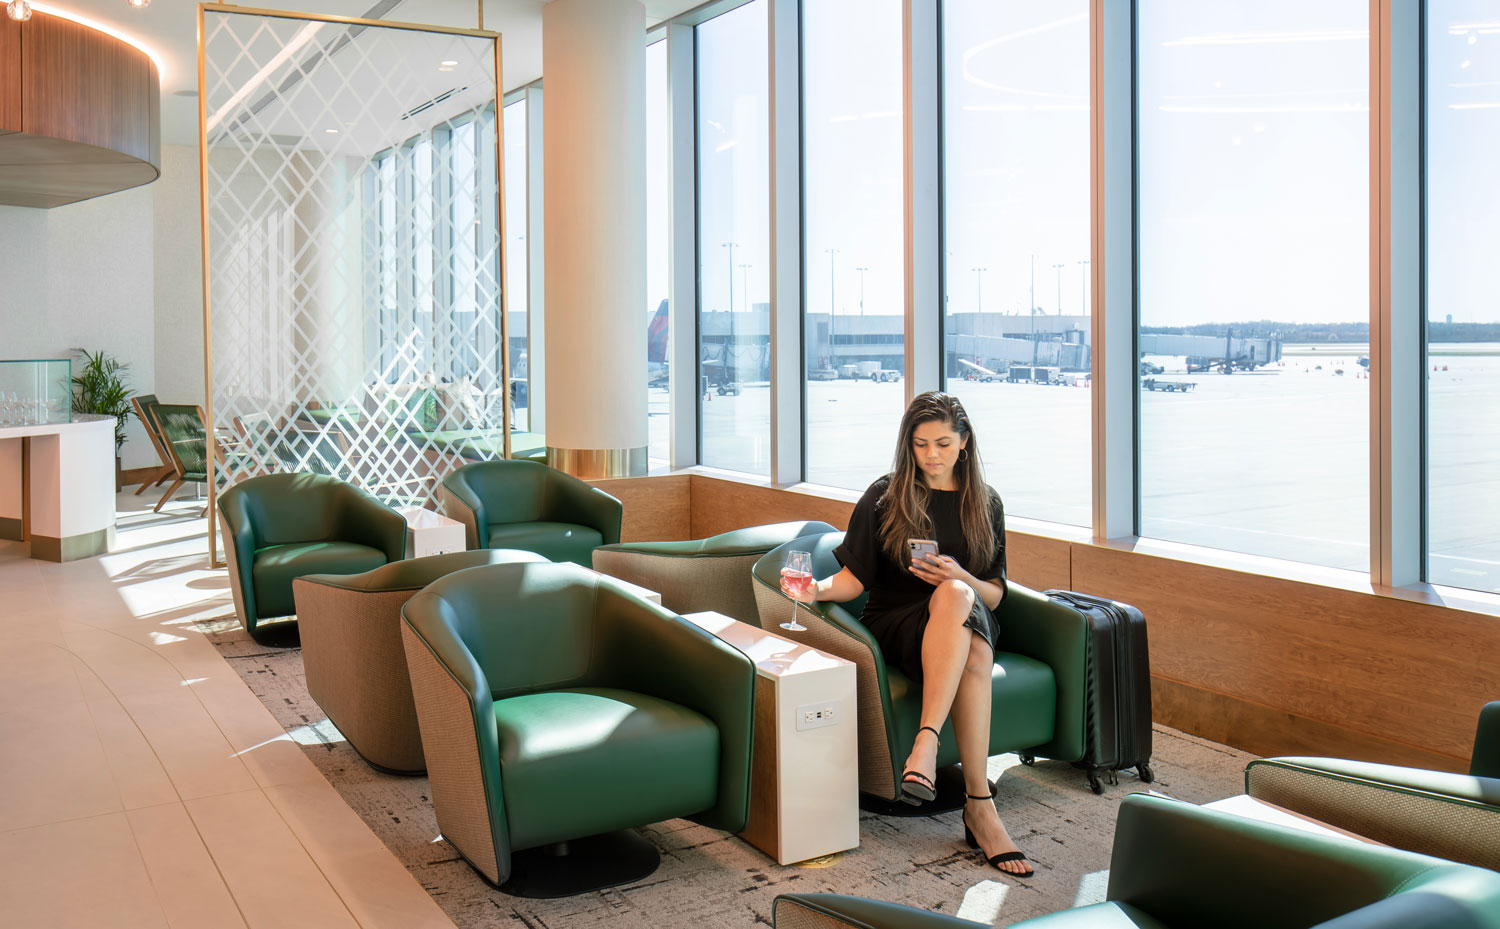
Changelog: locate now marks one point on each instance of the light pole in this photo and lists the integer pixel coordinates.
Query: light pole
(1059, 266)
(1033, 311)
(979, 287)
(1083, 283)
(729, 365)
(861, 289)
(832, 358)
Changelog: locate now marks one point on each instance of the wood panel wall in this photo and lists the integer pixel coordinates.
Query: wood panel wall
(723, 505)
(656, 509)
(10, 75)
(80, 113)
(80, 84)
(1268, 665)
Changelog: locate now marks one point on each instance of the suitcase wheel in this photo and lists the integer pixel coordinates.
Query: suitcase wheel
(1027, 759)
(1145, 772)
(1095, 784)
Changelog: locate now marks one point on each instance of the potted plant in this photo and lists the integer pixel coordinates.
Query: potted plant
(100, 387)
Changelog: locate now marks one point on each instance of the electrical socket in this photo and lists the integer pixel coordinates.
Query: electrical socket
(817, 715)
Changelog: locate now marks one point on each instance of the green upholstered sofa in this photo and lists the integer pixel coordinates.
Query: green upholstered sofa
(1175, 865)
(1439, 813)
(282, 526)
(556, 707)
(702, 574)
(522, 504)
(355, 665)
(1039, 675)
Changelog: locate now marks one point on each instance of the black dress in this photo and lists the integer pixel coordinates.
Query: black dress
(896, 613)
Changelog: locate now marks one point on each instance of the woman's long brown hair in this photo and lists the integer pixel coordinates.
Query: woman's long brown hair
(904, 505)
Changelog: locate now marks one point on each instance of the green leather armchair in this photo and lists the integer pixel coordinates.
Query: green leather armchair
(702, 574)
(1038, 683)
(1178, 865)
(277, 527)
(355, 665)
(1455, 816)
(556, 707)
(522, 504)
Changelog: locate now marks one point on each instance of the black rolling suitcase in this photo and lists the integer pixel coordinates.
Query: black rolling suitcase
(1117, 716)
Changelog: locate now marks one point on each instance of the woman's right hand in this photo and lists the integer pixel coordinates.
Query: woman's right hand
(809, 594)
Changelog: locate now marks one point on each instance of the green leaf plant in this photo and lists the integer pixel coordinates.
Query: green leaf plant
(101, 386)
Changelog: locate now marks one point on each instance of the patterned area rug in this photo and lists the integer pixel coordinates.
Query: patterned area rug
(710, 879)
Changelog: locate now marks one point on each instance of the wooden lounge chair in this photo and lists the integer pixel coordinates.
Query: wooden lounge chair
(183, 437)
(145, 407)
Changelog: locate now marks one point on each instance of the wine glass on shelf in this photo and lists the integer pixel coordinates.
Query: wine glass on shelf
(797, 575)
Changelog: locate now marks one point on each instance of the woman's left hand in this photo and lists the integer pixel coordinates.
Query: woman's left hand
(934, 569)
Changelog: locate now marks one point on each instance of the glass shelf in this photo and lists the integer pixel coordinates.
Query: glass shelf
(35, 391)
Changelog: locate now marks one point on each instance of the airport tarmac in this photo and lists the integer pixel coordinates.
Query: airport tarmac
(1270, 462)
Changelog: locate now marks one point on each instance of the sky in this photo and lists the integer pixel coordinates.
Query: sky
(1254, 153)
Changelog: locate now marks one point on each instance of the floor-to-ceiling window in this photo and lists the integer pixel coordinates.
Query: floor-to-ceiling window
(426, 253)
(658, 265)
(1253, 276)
(1462, 61)
(1016, 334)
(854, 264)
(734, 241)
(514, 128)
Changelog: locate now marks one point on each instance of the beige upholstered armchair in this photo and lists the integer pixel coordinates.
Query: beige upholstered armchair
(353, 657)
(702, 574)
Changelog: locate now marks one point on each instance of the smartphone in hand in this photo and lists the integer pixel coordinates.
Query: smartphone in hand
(921, 547)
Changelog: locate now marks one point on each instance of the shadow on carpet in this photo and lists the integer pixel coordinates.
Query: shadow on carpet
(711, 879)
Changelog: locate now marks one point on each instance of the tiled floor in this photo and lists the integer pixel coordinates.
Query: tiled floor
(141, 783)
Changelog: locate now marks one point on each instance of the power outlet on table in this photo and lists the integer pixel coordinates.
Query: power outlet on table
(817, 715)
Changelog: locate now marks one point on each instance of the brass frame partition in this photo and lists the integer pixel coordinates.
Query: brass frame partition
(218, 451)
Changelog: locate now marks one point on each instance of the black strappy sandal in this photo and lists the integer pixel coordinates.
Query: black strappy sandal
(995, 860)
(916, 787)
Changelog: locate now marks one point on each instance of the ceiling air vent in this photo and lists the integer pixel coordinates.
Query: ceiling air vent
(433, 102)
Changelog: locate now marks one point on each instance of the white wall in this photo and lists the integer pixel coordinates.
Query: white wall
(82, 275)
(178, 237)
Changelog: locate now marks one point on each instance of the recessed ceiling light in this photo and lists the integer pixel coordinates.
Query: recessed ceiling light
(448, 63)
(331, 131)
(139, 4)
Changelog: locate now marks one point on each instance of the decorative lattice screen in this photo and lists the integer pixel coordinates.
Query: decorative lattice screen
(353, 253)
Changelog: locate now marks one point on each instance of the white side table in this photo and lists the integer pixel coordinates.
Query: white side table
(804, 781)
(429, 533)
(636, 589)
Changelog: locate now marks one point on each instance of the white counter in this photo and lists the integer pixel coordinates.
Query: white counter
(72, 482)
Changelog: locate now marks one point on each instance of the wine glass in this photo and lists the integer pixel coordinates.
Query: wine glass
(797, 575)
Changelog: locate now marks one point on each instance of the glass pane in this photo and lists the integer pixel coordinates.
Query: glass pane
(1016, 204)
(734, 239)
(1463, 329)
(855, 264)
(516, 259)
(353, 251)
(658, 266)
(1253, 128)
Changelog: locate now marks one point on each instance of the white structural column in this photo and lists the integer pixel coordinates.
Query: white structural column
(682, 239)
(1112, 140)
(785, 113)
(924, 288)
(536, 264)
(594, 59)
(1396, 366)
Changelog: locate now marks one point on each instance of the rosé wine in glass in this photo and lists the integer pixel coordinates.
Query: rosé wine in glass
(796, 577)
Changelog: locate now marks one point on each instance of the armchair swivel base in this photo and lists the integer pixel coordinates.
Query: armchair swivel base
(578, 866)
(950, 796)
